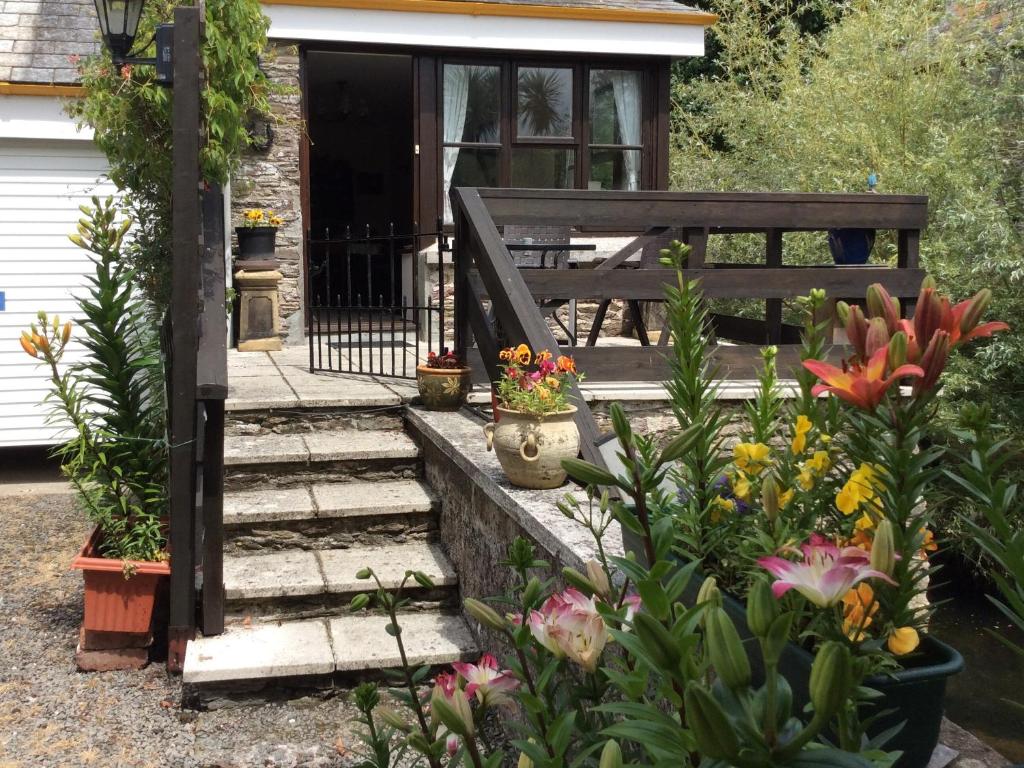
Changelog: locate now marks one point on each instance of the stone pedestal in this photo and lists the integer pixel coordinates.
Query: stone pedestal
(259, 326)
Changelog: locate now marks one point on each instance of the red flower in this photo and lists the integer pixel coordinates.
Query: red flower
(861, 385)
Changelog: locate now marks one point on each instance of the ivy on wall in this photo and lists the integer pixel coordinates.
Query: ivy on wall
(131, 116)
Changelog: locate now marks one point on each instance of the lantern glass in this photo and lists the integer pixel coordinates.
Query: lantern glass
(119, 23)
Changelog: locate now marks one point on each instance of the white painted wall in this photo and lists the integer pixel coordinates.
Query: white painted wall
(37, 117)
(506, 33)
(42, 183)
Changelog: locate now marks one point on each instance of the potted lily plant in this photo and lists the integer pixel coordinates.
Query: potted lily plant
(443, 381)
(258, 234)
(832, 514)
(113, 405)
(534, 428)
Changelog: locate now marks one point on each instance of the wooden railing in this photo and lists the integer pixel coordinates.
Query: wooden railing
(485, 272)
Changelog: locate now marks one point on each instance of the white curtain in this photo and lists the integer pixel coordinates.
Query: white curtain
(626, 89)
(456, 100)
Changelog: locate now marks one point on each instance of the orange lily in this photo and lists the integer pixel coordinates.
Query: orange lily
(861, 385)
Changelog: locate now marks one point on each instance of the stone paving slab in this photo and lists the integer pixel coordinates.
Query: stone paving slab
(282, 574)
(250, 393)
(389, 563)
(259, 652)
(321, 390)
(360, 444)
(361, 499)
(361, 642)
(264, 449)
(268, 505)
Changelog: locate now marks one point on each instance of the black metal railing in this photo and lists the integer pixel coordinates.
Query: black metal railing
(369, 311)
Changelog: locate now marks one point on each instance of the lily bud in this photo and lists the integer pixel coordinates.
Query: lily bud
(454, 712)
(598, 578)
(611, 755)
(927, 315)
(708, 593)
(880, 304)
(728, 656)
(524, 761)
(393, 719)
(897, 350)
(975, 309)
(877, 336)
(484, 614)
(857, 330)
(883, 549)
(770, 498)
(842, 312)
(66, 335)
(657, 641)
(762, 608)
(28, 346)
(933, 362)
(714, 732)
(578, 580)
(831, 678)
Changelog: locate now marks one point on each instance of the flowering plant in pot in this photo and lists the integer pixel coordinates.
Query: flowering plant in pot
(825, 494)
(443, 381)
(607, 667)
(112, 403)
(258, 233)
(534, 428)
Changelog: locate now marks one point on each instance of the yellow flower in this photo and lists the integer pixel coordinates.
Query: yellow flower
(542, 392)
(720, 507)
(506, 354)
(819, 463)
(860, 488)
(806, 479)
(784, 498)
(800, 430)
(552, 382)
(522, 355)
(859, 606)
(741, 487)
(865, 523)
(928, 543)
(543, 356)
(751, 457)
(847, 500)
(903, 640)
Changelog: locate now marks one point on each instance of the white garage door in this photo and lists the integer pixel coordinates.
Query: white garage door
(41, 186)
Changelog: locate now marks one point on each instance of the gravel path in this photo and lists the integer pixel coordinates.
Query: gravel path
(53, 715)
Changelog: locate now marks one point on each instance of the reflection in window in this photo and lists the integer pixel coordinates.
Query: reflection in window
(471, 107)
(615, 121)
(543, 167)
(614, 169)
(544, 102)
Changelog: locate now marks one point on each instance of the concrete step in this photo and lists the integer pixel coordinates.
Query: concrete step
(301, 584)
(274, 460)
(253, 658)
(328, 515)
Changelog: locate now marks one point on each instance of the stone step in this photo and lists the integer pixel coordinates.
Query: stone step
(319, 651)
(300, 583)
(273, 460)
(303, 419)
(328, 515)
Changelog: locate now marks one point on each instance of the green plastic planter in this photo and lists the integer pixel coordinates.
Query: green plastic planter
(915, 695)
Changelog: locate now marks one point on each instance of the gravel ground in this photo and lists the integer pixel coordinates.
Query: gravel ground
(53, 715)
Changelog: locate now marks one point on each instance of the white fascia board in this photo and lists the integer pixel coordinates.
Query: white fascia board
(38, 117)
(293, 22)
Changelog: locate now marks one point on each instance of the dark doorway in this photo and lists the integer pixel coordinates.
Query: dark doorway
(360, 123)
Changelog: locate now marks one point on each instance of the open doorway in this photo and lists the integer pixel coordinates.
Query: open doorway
(360, 123)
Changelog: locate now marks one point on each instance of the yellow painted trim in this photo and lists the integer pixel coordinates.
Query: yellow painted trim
(40, 89)
(472, 8)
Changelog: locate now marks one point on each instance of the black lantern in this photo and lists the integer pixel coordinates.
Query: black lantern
(119, 23)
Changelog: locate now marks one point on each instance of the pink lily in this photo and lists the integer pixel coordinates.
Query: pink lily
(826, 573)
(861, 385)
(486, 681)
(569, 625)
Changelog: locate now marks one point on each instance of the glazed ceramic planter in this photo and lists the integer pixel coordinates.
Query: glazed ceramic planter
(256, 242)
(443, 389)
(851, 246)
(531, 448)
(914, 696)
(114, 603)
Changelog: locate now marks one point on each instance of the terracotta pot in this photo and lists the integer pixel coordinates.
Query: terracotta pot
(114, 603)
(443, 389)
(531, 448)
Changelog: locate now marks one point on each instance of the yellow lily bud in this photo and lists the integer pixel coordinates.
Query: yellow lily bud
(770, 497)
(903, 640)
(27, 345)
(66, 335)
(883, 550)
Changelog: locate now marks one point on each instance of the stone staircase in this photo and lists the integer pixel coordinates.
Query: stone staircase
(312, 495)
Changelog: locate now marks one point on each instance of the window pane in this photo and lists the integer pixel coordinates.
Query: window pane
(468, 167)
(545, 102)
(615, 169)
(543, 168)
(472, 104)
(615, 107)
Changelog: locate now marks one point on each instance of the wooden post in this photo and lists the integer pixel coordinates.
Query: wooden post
(773, 307)
(185, 235)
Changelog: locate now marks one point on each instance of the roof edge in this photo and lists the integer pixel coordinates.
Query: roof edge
(476, 8)
(40, 89)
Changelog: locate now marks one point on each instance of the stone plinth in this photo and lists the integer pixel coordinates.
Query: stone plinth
(258, 308)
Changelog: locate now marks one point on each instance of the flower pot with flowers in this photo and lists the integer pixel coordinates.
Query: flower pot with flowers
(838, 513)
(534, 428)
(443, 381)
(116, 457)
(257, 235)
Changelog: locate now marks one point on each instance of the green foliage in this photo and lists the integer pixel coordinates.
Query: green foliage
(131, 115)
(113, 399)
(926, 97)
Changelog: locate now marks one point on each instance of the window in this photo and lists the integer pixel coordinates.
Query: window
(535, 125)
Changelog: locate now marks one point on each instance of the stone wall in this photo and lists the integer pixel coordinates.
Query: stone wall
(272, 180)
